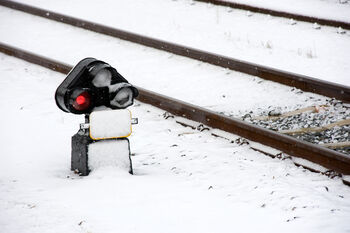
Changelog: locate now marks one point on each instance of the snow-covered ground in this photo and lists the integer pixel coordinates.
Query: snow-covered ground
(192, 81)
(326, 9)
(261, 39)
(185, 180)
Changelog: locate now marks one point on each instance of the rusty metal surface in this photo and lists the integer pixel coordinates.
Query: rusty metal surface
(32, 58)
(327, 22)
(302, 82)
(328, 158)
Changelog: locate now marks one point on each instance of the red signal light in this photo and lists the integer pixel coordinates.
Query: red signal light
(82, 101)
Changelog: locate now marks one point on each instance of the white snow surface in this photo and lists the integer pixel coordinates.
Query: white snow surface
(309, 164)
(261, 39)
(110, 124)
(338, 10)
(186, 79)
(113, 154)
(185, 180)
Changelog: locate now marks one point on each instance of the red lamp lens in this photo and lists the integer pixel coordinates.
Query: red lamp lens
(82, 101)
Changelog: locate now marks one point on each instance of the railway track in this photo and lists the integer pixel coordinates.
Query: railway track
(310, 19)
(336, 163)
(327, 125)
(302, 82)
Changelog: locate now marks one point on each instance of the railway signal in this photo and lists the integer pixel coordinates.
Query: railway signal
(92, 83)
(102, 139)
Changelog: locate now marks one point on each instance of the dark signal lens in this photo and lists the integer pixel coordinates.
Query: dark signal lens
(82, 101)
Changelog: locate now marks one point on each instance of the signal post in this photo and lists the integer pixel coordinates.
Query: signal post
(102, 139)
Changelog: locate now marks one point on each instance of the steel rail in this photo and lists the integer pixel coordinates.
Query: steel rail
(284, 14)
(327, 158)
(302, 82)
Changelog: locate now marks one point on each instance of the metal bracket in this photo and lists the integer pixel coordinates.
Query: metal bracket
(84, 125)
(134, 121)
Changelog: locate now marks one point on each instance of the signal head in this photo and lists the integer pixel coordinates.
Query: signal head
(92, 83)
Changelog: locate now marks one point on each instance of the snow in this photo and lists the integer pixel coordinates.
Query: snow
(326, 9)
(109, 153)
(208, 86)
(103, 78)
(184, 180)
(261, 39)
(110, 124)
(266, 149)
(124, 95)
(309, 164)
(346, 178)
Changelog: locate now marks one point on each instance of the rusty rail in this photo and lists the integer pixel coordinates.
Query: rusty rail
(302, 82)
(310, 19)
(328, 158)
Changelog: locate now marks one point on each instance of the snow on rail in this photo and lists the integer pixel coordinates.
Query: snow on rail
(219, 89)
(259, 39)
(338, 10)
